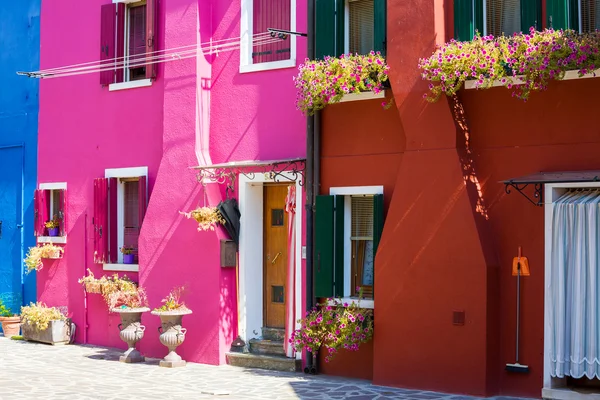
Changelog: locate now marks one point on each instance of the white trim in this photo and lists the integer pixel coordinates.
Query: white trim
(346, 25)
(566, 393)
(53, 186)
(52, 239)
(251, 254)
(121, 267)
(552, 191)
(364, 303)
(246, 45)
(569, 75)
(129, 85)
(355, 190)
(363, 96)
(133, 172)
(126, 1)
(120, 219)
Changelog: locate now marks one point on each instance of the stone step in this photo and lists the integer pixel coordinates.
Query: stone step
(273, 363)
(274, 334)
(264, 346)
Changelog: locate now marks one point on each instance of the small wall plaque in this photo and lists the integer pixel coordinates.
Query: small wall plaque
(228, 253)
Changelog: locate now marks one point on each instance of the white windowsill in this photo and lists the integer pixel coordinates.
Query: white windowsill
(364, 303)
(363, 96)
(569, 75)
(121, 267)
(569, 394)
(267, 66)
(130, 85)
(52, 239)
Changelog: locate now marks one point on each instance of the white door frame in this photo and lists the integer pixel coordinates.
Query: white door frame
(552, 386)
(251, 253)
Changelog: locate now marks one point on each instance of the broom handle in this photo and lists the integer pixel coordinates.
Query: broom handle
(518, 307)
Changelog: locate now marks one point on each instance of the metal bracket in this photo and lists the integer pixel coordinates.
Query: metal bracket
(538, 192)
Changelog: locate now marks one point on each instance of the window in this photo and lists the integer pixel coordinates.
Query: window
(579, 15)
(350, 26)
(50, 204)
(127, 33)
(119, 207)
(348, 225)
(258, 49)
(495, 17)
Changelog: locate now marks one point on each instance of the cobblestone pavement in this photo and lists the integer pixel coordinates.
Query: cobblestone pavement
(38, 371)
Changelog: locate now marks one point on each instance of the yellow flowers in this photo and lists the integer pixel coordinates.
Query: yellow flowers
(206, 217)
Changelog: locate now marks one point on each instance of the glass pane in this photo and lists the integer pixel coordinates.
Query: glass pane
(277, 294)
(277, 217)
(131, 214)
(367, 272)
(503, 17)
(55, 204)
(361, 21)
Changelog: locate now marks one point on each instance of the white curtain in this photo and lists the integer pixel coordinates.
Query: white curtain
(575, 286)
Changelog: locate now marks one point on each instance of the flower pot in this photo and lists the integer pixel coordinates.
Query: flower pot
(128, 258)
(93, 287)
(172, 335)
(58, 332)
(131, 332)
(53, 232)
(11, 326)
(55, 255)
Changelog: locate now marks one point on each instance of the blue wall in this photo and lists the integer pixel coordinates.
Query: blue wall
(19, 51)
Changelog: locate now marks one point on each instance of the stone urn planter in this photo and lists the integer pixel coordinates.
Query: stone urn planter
(58, 332)
(11, 326)
(132, 331)
(172, 335)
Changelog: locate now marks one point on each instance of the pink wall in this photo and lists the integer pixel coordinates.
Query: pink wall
(85, 129)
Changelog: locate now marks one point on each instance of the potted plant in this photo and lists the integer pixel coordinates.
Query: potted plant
(53, 226)
(11, 323)
(91, 284)
(41, 323)
(334, 325)
(130, 304)
(171, 333)
(128, 254)
(33, 259)
(206, 217)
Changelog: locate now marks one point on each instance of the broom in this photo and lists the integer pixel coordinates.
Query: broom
(518, 263)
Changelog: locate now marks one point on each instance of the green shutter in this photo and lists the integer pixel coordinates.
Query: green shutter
(531, 15)
(324, 241)
(377, 220)
(339, 246)
(574, 15)
(340, 31)
(557, 12)
(468, 18)
(325, 33)
(379, 33)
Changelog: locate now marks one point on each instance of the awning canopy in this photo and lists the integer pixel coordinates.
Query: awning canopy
(539, 179)
(290, 170)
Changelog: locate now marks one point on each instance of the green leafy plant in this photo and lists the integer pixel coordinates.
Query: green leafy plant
(322, 82)
(334, 325)
(38, 315)
(524, 62)
(33, 259)
(5, 311)
(173, 301)
(135, 298)
(206, 217)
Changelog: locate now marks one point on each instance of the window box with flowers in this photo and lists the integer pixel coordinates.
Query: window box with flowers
(50, 213)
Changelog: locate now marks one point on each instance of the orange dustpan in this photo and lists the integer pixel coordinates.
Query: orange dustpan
(521, 263)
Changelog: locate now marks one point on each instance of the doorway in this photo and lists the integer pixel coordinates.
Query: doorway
(275, 254)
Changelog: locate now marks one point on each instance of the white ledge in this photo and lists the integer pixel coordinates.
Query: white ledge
(121, 267)
(130, 85)
(363, 96)
(518, 80)
(52, 239)
(364, 303)
(568, 394)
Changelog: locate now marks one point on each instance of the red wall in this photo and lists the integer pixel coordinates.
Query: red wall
(361, 145)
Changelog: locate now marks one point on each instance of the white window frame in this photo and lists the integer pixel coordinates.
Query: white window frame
(246, 46)
(53, 186)
(347, 192)
(127, 84)
(134, 172)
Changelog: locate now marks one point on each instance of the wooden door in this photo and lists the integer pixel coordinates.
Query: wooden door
(275, 255)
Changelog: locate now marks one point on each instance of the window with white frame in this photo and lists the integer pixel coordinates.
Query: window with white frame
(50, 212)
(120, 200)
(348, 226)
(360, 26)
(127, 41)
(259, 49)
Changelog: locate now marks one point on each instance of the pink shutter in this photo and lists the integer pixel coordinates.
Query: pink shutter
(271, 14)
(100, 220)
(142, 199)
(121, 15)
(107, 42)
(113, 249)
(40, 212)
(151, 39)
(62, 212)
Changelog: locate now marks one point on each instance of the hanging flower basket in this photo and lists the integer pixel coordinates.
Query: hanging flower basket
(93, 287)
(206, 217)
